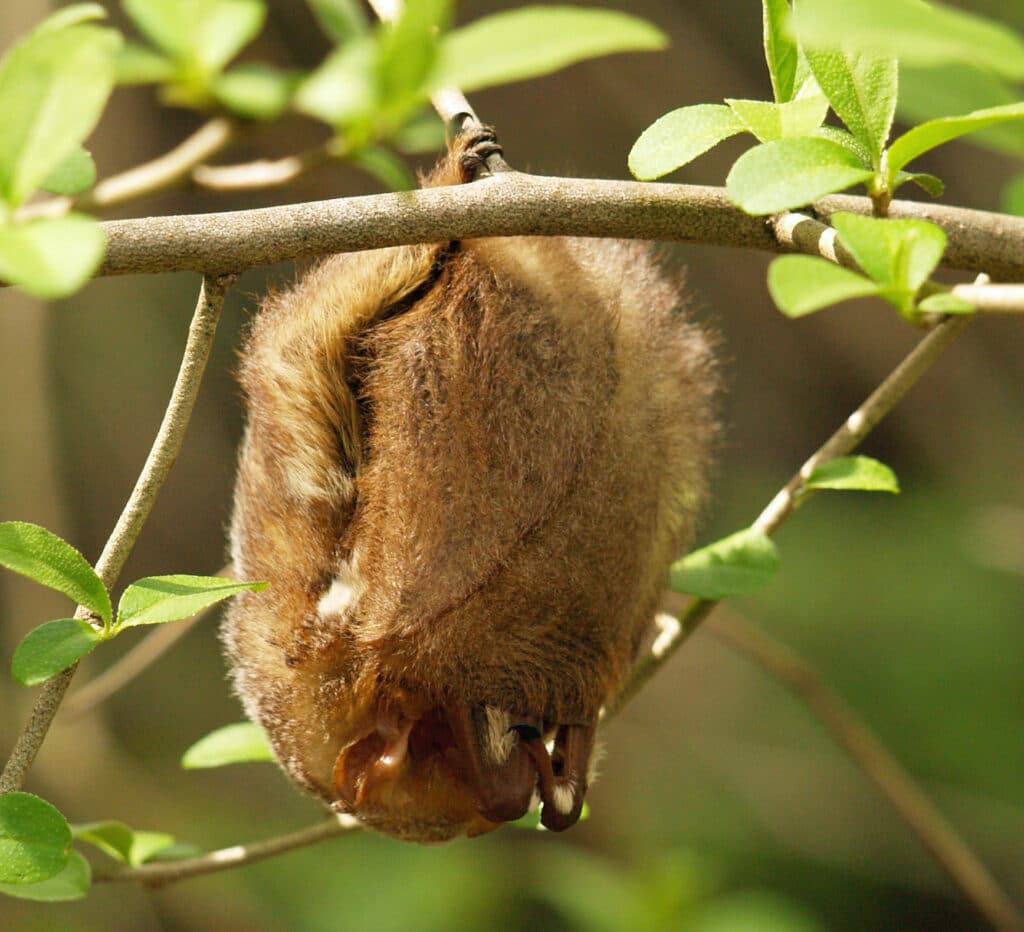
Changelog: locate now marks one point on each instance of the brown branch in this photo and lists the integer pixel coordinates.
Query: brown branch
(264, 173)
(122, 539)
(158, 873)
(847, 729)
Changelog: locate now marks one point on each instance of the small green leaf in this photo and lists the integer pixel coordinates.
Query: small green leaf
(34, 839)
(679, 137)
(51, 257)
(853, 473)
(946, 303)
(847, 140)
(408, 51)
(342, 89)
(735, 565)
(532, 41)
(385, 166)
(927, 183)
(75, 174)
(226, 28)
(768, 121)
(862, 91)
(137, 64)
(175, 852)
(256, 91)
(1012, 198)
(341, 20)
(934, 133)
(899, 254)
(789, 173)
(70, 883)
(53, 88)
(159, 599)
(423, 133)
(114, 839)
(52, 647)
(780, 51)
(800, 285)
(915, 32)
(232, 744)
(41, 555)
(146, 846)
(73, 15)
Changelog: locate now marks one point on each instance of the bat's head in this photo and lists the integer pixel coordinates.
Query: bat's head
(429, 773)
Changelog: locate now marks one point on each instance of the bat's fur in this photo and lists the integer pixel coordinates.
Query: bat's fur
(466, 469)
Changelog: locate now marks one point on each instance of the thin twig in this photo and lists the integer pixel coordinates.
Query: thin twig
(156, 175)
(122, 539)
(852, 734)
(158, 873)
(849, 435)
(263, 173)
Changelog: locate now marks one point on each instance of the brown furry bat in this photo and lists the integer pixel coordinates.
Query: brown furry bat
(466, 468)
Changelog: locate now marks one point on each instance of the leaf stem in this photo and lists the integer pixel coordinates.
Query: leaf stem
(122, 539)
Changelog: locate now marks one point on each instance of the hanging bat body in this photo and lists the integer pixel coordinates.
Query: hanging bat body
(466, 469)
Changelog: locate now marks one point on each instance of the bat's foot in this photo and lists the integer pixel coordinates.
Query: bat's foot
(478, 153)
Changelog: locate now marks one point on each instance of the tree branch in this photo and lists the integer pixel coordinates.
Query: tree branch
(158, 873)
(846, 728)
(122, 539)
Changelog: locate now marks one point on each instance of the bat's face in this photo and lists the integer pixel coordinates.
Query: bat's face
(431, 773)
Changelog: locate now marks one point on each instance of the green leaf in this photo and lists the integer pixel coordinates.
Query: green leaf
(408, 51)
(72, 15)
(927, 183)
(175, 852)
(41, 555)
(679, 137)
(159, 599)
(341, 20)
(342, 89)
(946, 303)
(232, 744)
(789, 173)
(951, 90)
(75, 174)
(934, 133)
(114, 839)
(227, 27)
(800, 285)
(854, 473)
(862, 91)
(768, 121)
(900, 254)
(780, 51)
(735, 565)
(147, 846)
(136, 64)
(531, 41)
(1012, 198)
(70, 883)
(257, 91)
(34, 839)
(385, 166)
(53, 88)
(52, 647)
(51, 257)
(915, 32)
(423, 133)
(847, 140)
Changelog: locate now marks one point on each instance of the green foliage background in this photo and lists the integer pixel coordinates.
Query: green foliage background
(722, 806)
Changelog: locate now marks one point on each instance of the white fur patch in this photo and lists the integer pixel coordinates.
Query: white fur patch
(669, 630)
(498, 740)
(342, 595)
(564, 797)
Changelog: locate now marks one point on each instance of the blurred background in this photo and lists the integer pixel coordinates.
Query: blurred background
(722, 804)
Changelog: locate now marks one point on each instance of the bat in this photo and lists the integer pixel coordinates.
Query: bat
(466, 468)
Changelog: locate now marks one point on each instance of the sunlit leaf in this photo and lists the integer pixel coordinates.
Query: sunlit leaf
(137, 64)
(75, 174)
(897, 253)
(52, 647)
(735, 565)
(342, 89)
(341, 20)
(232, 744)
(789, 173)
(915, 32)
(41, 555)
(927, 183)
(854, 473)
(800, 285)
(70, 883)
(946, 303)
(780, 51)
(257, 91)
(862, 91)
(769, 121)
(73, 15)
(34, 839)
(53, 256)
(385, 166)
(531, 41)
(679, 137)
(159, 599)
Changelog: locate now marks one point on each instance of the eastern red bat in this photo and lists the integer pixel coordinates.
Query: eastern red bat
(466, 468)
